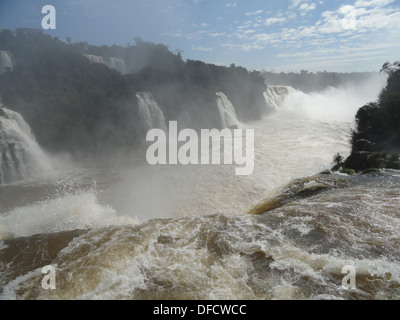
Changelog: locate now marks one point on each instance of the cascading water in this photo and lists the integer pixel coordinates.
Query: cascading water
(113, 63)
(191, 230)
(150, 112)
(117, 64)
(227, 111)
(275, 95)
(20, 155)
(7, 61)
(95, 59)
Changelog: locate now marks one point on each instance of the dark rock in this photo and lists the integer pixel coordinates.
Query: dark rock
(357, 161)
(326, 172)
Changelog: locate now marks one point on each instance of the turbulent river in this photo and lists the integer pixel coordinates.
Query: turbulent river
(135, 231)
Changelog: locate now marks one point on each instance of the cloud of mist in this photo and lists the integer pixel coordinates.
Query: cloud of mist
(341, 103)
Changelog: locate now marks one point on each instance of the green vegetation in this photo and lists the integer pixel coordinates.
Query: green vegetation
(85, 108)
(190, 91)
(313, 82)
(376, 139)
(371, 170)
(349, 172)
(71, 104)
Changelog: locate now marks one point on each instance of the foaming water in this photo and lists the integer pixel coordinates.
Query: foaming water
(296, 251)
(333, 103)
(68, 212)
(275, 95)
(56, 205)
(284, 150)
(187, 232)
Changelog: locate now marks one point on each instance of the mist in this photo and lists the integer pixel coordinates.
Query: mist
(333, 103)
(131, 172)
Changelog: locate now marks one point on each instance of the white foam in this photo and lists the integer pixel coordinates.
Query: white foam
(340, 103)
(67, 212)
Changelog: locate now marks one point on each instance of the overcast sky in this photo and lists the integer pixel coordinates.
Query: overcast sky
(316, 35)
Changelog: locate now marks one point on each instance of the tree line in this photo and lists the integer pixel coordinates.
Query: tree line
(80, 107)
(376, 139)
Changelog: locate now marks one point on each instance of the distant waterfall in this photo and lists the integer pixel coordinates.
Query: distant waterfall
(95, 59)
(7, 61)
(275, 95)
(117, 64)
(150, 112)
(20, 155)
(113, 63)
(227, 112)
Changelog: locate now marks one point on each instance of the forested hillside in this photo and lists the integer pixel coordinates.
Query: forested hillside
(376, 138)
(314, 81)
(82, 107)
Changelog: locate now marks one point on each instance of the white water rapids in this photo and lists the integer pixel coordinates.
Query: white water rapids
(183, 232)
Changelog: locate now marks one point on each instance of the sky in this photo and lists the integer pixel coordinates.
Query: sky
(280, 35)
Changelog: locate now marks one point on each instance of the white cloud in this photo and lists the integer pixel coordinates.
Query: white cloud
(175, 34)
(372, 3)
(244, 34)
(294, 55)
(327, 41)
(254, 13)
(270, 21)
(204, 49)
(217, 34)
(362, 19)
(305, 7)
(318, 58)
(295, 3)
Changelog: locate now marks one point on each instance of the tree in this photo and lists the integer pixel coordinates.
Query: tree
(390, 68)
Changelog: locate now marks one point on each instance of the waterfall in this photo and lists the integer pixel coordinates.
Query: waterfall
(227, 112)
(95, 59)
(150, 112)
(113, 63)
(7, 61)
(117, 64)
(20, 155)
(275, 95)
